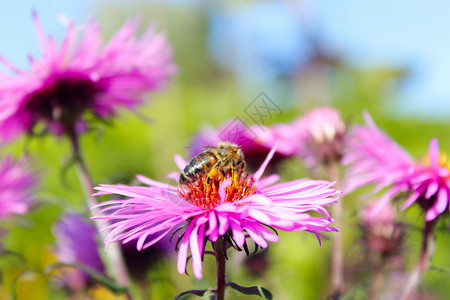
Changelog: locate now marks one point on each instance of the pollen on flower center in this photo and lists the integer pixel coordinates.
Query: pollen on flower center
(443, 160)
(204, 192)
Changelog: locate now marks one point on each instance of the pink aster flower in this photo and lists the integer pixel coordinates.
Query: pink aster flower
(321, 132)
(17, 183)
(82, 75)
(230, 208)
(374, 158)
(430, 183)
(382, 235)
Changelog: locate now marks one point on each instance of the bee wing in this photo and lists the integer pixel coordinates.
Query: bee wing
(201, 147)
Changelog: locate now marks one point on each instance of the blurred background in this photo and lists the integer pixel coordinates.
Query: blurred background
(388, 57)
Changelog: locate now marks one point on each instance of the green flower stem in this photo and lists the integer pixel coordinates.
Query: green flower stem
(425, 254)
(115, 263)
(337, 272)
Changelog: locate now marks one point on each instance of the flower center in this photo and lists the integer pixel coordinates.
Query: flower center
(63, 99)
(443, 160)
(205, 192)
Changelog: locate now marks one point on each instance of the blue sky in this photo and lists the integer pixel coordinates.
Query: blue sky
(371, 32)
(400, 32)
(17, 34)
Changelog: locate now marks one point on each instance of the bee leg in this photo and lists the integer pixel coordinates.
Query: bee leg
(242, 165)
(213, 173)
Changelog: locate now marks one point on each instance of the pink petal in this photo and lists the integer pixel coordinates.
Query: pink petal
(195, 252)
(433, 153)
(439, 206)
(238, 234)
(252, 232)
(212, 223)
(180, 162)
(411, 199)
(183, 250)
(152, 182)
(432, 189)
(223, 223)
(385, 199)
(269, 180)
(223, 186)
(264, 165)
(39, 30)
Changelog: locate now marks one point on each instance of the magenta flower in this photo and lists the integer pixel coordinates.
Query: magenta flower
(373, 158)
(234, 207)
(320, 132)
(430, 183)
(17, 183)
(82, 75)
(76, 244)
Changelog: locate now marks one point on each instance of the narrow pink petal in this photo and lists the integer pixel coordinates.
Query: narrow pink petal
(269, 180)
(266, 233)
(411, 199)
(180, 162)
(39, 30)
(183, 250)
(259, 216)
(68, 40)
(238, 234)
(385, 199)
(439, 206)
(10, 66)
(432, 189)
(368, 119)
(155, 240)
(223, 223)
(195, 252)
(255, 236)
(152, 182)
(174, 176)
(212, 223)
(433, 152)
(223, 186)
(264, 165)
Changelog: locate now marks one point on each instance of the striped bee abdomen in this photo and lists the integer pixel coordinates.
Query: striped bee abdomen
(198, 166)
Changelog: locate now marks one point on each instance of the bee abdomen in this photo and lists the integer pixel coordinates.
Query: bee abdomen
(198, 166)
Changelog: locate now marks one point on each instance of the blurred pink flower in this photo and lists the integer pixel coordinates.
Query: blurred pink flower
(82, 75)
(233, 207)
(320, 133)
(17, 183)
(256, 140)
(373, 158)
(76, 244)
(382, 235)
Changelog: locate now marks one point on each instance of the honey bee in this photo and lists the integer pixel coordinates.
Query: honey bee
(225, 157)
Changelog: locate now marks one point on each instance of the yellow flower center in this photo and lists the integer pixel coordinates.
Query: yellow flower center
(204, 192)
(443, 160)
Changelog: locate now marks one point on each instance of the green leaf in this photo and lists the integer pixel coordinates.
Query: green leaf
(201, 293)
(252, 290)
(104, 280)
